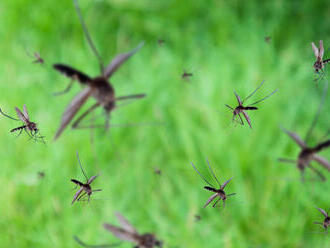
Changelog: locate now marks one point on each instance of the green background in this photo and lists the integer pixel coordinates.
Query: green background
(222, 44)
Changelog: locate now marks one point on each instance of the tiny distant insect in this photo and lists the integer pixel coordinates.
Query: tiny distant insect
(268, 39)
(161, 42)
(157, 171)
(41, 174)
(99, 87)
(186, 75)
(326, 222)
(217, 192)
(38, 59)
(85, 188)
(29, 127)
(242, 109)
(308, 154)
(197, 217)
(319, 52)
(128, 233)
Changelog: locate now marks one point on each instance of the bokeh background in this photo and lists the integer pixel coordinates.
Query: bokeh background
(223, 44)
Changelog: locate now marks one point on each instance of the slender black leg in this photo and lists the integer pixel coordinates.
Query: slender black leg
(66, 90)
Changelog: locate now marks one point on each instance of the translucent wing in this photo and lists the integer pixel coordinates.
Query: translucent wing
(119, 60)
(321, 49)
(121, 233)
(247, 118)
(210, 200)
(322, 211)
(21, 115)
(238, 98)
(225, 183)
(125, 224)
(322, 161)
(92, 179)
(264, 98)
(296, 138)
(25, 112)
(72, 109)
(315, 49)
(72, 73)
(77, 195)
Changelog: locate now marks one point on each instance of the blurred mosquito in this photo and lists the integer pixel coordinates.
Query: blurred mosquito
(242, 109)
(197, 217)
(85, 188)
(161, 42)
(157, 171)
(95, 246)
(326, 222)
(29, 127)
(37, 57)
(186, 75)
(41, 174)
(268, 39)
(218, 192)
(128, 233)
(309, 154)
(98, 87)
(319, 52)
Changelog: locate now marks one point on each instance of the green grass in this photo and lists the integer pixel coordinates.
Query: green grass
(223, 45)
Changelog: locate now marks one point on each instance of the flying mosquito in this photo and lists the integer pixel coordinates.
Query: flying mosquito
(186, 75)
(217, 192)
(268, 39)
(38, 59)
(242, 109)
(85, 188)
(326, 222)
(161, 42)
(98, 87)
(319, 52)
(29, 127)
(128, 233)
(309, 154)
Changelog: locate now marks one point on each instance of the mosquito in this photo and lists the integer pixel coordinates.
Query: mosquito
(98, 87)
(161, 42)
(186, 75)
(85, 188)
(157, 171)
(128, 233)
(268, 39)
(326, 222)
(319, 52)
(308, 154)
(28, 126)
(37, 57)
(218, 192)
(242, 109)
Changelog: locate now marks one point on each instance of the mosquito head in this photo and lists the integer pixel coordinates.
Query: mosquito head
(222, 194)
(33, 127)
(149, 240)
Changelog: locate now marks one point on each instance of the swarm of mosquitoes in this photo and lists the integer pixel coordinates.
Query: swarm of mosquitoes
(101, 89)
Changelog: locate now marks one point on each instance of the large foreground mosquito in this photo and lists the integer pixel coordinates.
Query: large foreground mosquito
(319, 52)
(308, 154)
(242, 109)
(98, 87)
(85, 188)
(326, 222)
(128, 233)
(218, 192)
(28, 126)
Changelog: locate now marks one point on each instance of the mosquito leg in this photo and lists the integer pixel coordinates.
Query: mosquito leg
(76, 123)
(20, 132)
(285, 160)
(1, 112)
(229, 107)
(318, 173)
(66, 90)
(81, 196)
(241, 120)
(216, 202)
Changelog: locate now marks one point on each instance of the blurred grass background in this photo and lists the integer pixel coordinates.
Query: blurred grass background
(222, 44)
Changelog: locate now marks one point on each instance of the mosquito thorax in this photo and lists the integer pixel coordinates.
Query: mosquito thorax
(32, 126)
(87, 188)
(148, 240)
(104, 92)
(326, 222)
(318, 65)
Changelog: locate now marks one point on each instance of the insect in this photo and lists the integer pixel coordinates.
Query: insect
(186, 75)
(308, 154)
(98, 87)
(157, 171)
(41, 174)
(268, 39)
(161, 42)
(28, 126)
(217, 192)
(326, 221)
(241, 109)
(128, 233)
(85, 188)
(319, 52)
(37, 57)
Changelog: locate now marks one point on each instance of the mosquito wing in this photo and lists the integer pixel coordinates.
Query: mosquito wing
(72, 109)
(264, 98)
(121, 233)
(296, 138)
(225, 183)
(322, 211)
(321, 51)
(92, 179)
(315, 49)
(25, 112)
(119, 60)
(77, 195)
(21, 115)
(210, 200)
(247, 118)
(322, 161)
(72, 73)
(238, 98)
(126, 224)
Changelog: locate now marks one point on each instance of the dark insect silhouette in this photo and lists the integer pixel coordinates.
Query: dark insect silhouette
(308, 154)
(319, 52)
(37, 57)
(186, 75)
(197, 217)
(41, 174)
(326, 222)
(268, 39)
(161, 42)
(28, 126)
(128, 233)
(157, 171)
(98, 87)
(85, 189)
(218, 192)
(241, 109)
